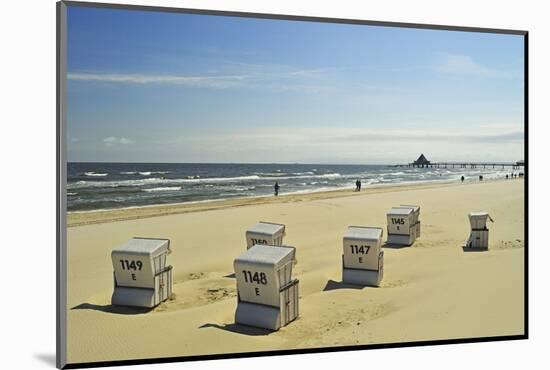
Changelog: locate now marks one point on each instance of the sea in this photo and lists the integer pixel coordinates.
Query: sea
(99, 186)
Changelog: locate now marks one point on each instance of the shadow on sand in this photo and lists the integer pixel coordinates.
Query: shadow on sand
(469, 249)
(230, 276)
(239, 329)
(395, 246)
(333, 285)
(109, 308)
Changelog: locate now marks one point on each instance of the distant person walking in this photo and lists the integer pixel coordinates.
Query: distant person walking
(357, 185)
(506, 176)
(480, 177)
(462, 178)
(276, 187)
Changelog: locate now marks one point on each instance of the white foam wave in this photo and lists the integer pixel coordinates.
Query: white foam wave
(169, 188)
(211, 180)
(157, 180)
(217, 179)
(95, 174)
(312, 176)
(329, 175)
(270, 174)
(143, 173)
(112, 184)
(240, 188)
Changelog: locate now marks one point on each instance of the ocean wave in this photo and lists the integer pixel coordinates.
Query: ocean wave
(217, 179)
(398, 173)
(169, 188)
(157, 180)
(296, 175)
(270, 174)
(95, 174)
(69, 193)
(261, 181)
(223, 194)
(313, 176)
(206, 180)
(149, 173)
(112, 184)
(144, 173)
(240, 188)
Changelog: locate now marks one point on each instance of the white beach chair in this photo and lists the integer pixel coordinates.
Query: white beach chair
(479, 233)
(141, 277)
(267, 294)
(401, 226)
(267, 233)
(363, 259)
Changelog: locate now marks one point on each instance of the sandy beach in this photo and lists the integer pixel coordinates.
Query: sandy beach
(431, 290)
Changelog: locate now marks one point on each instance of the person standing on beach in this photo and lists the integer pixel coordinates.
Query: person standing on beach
(462, 178)
(276, 188)
(357, 185)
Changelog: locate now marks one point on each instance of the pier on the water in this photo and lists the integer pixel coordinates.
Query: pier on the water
(422, 162)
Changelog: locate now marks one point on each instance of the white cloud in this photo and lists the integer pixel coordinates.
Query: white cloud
(207, 81)
(315, 72)
(234, 75)
(112, 140)
(464, 65)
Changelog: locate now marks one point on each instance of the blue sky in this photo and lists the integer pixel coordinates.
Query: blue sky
(164, 87)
